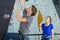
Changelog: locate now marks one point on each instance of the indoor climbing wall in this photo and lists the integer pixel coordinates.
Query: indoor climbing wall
(6, 8)
(44, 7)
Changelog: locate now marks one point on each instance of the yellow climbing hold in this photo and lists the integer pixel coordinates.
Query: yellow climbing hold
(39, 19)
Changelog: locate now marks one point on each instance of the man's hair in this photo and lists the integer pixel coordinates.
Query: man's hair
(34, 10)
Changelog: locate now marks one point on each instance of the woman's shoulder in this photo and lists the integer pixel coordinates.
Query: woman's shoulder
(43, 24)
(51, 24)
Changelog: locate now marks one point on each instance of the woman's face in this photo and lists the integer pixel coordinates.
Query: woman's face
(47, 19)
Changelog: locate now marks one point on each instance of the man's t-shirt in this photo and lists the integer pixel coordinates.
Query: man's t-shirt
(47, 29)
(24, 26)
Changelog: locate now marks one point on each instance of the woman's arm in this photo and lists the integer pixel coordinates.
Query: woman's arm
(40, 28)
(52, 34)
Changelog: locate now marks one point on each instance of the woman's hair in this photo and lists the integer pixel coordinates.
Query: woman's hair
(50, 19)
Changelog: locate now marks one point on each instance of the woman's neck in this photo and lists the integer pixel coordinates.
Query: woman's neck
(47, 24)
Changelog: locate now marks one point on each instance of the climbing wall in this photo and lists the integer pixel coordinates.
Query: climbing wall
(6, 8)
(44, 7)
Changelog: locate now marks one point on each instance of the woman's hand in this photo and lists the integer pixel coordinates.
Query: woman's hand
(52, 34)
(40, 28)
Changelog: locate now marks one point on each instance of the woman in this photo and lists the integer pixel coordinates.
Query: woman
(47, 28)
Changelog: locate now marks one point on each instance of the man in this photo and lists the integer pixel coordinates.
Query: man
(26, 20)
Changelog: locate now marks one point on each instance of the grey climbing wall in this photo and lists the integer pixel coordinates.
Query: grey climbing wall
(6, 8)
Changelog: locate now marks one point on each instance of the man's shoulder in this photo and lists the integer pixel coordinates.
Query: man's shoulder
(29, 18)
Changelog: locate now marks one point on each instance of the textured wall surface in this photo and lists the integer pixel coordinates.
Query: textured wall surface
(46, 8)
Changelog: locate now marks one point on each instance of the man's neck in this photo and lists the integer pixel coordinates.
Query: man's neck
(28, 15)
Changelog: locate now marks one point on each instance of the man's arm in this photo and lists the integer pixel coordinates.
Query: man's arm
(52, 34)
(22, 4)
(20, 19)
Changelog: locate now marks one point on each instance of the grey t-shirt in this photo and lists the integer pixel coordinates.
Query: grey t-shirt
(24, 26)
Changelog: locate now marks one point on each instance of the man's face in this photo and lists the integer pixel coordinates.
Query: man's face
(29, 11)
